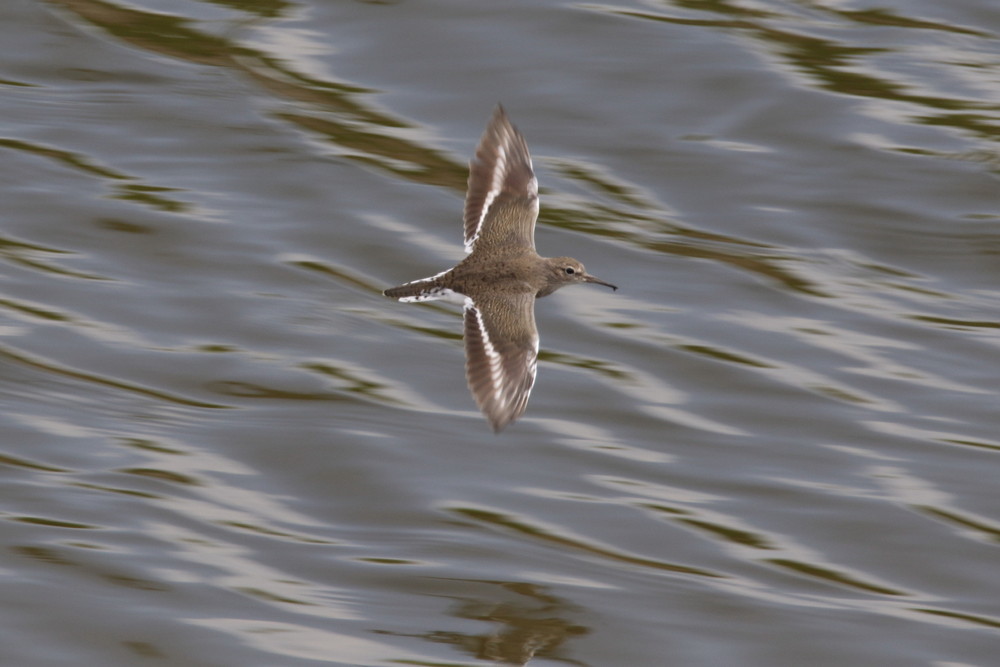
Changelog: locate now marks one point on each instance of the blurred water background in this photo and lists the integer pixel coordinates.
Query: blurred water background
(776, 445)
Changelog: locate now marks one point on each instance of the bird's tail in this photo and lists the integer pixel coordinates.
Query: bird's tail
(425, 289)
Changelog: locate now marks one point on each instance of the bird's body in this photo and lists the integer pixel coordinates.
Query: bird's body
(502, 275)
(516, 269)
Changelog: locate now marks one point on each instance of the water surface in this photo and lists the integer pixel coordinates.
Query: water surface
(775, 445)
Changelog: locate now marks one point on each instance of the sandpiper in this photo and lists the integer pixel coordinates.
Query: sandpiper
(501, 276)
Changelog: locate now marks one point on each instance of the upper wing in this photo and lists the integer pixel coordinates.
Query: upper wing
(501, 179)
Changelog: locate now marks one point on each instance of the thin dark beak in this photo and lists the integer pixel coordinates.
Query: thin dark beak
(591, 279)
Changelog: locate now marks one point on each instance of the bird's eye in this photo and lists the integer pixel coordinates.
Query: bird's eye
(569, 270)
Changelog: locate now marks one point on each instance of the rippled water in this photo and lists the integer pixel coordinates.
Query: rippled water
(775, 445)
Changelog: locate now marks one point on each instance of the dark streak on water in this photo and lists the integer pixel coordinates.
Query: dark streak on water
(776, 445)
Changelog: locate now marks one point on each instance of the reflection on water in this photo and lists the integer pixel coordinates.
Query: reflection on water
(529, 622)
(775, 447)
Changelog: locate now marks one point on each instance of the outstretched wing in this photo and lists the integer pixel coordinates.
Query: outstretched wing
(501, 204)
(501, 348)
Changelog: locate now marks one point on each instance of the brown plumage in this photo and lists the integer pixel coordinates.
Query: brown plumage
(502, 275)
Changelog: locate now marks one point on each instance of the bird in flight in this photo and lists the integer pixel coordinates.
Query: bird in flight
(502, 275)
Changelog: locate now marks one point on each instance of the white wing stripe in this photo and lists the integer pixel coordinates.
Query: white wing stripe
(499, 171)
